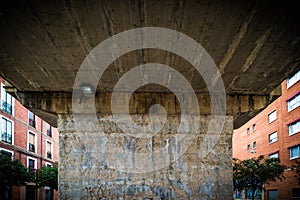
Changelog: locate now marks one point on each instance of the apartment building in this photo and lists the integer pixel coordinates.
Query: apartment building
(275, 132)
(29, 139)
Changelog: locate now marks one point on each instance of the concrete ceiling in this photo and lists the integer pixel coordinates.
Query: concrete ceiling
(255, 44)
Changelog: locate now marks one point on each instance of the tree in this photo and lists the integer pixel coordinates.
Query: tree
(296, 169)
(255, 172)
(48, 176)
(13, 173)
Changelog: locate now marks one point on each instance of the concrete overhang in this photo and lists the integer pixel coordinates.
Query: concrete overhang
(255, 45)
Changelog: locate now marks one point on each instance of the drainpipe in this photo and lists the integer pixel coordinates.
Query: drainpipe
(41, 164)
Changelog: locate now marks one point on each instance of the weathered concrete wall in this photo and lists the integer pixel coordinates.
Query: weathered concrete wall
(87, 163)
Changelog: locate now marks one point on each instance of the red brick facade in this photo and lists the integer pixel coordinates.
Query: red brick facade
(247, 135)
(18, 145)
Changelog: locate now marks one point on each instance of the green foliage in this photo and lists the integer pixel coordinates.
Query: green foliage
(48, 176)
(12, 172)
(296, 169)
(255, 172)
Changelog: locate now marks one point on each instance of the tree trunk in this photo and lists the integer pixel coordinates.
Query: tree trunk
(253, 190)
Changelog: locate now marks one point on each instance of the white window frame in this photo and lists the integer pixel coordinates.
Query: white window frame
(295, 104)
(297, 124)
(271, 142)
(35, 120)
(270, 120)
(274, 155)
(254, 147)
(51, 132)
(254, 127)
(35, 141)
(12, 101)
(12, 129)
(248, 131)
(297, 146)
(35, 161)
(293, 80)
(12, 152)
(51, 149)
(47, 163)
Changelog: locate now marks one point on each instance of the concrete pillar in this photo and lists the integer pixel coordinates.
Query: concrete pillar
(91, 158)
(89, 162)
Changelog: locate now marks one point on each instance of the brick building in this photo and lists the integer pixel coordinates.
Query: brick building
(29, 139)
(275, 132)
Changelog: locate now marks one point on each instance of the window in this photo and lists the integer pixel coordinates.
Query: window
(6, 101)
(248, 130)
(295, 152)
(31, 119)
(272, 194)
(48, 164)
(254, 145)
(292, 80)
(293, 102)
(6, 130)
(48, 129)
(273, 155)
(31, 142)
(272, 116)
(294, 128)
(48, 193)
(31, 163)
(7, 153)
(273, 137)
(254, 127)
(49, 150)
(296, 192)
(30, 192)
(248, 147)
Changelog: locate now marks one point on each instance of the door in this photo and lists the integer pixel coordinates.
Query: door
(272, 194)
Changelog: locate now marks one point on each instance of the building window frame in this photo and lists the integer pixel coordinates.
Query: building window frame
(9, 151)
(49, 154)
(275, 139)
(274, 155)
(35, 161)
(35, 141)
(298, 149)
(48, 130)
(294, 128)
(254, 145)
(31, 122)
(47, 164)
(272, 116)
(4, 104)
(248, 131)
(293, 102)
(12, 129)
(254, 127)
(293, 193)
(293, 80)
(248, 147)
